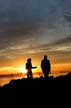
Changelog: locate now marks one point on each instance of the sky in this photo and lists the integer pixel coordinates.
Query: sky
(32, 28)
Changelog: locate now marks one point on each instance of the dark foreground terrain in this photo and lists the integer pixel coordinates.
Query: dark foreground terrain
(37, 89)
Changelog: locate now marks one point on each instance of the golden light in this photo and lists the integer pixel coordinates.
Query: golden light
(22, 69)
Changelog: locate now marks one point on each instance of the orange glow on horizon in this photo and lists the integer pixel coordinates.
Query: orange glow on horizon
(56, 69)
(22, 69)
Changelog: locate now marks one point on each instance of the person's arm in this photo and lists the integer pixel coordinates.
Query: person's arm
(34, 67)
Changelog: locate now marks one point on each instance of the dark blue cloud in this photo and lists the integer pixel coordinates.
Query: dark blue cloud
(29, 11)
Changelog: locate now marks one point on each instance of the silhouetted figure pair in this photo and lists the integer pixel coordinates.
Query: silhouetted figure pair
(29, 68)
(45, 66)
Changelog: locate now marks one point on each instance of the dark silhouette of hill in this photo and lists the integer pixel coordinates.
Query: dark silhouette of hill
(36, 91)
(21, 86)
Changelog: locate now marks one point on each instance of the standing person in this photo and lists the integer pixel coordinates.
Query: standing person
(29, 68)
(45, 66)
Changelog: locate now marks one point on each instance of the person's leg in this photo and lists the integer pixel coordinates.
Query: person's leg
(31, 75)
(46, 74)
(27, 75)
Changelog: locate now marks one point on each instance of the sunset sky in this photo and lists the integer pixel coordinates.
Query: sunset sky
(32, 28)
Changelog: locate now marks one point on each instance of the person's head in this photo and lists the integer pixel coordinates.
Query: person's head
(29, 60)
(45, 56)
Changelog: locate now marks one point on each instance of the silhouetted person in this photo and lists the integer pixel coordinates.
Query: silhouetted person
(45, 66)
(29, 68)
